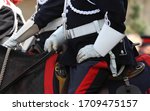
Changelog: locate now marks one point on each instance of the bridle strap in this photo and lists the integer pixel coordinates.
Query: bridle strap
(3, 69)
(23, 74)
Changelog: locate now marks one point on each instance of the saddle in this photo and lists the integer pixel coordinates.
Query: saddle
(130, 72)
(61, 75)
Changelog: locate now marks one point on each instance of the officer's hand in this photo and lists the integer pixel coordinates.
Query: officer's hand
(51, 44)
(55, 40)
(87, 52)
(10, 43)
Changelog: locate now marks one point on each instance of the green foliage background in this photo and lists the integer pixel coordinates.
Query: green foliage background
(135, 23)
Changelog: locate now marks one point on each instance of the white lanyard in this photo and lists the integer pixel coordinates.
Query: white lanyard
(82, 12)
(65, 18)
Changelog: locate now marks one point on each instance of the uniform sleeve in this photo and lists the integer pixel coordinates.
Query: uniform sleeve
(116, 12)
(6, 21)
(49, 11)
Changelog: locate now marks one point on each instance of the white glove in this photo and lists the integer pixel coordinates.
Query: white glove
(55, 40)
(10, 43)
(87, 52)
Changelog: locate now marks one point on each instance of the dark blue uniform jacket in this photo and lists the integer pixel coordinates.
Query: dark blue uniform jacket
(116, 14)
(48, 11)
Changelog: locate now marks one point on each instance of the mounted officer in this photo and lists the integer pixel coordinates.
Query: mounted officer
(11, 19)
(44, 21)
(95, 40)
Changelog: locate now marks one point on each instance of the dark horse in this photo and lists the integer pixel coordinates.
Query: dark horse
(25, 74)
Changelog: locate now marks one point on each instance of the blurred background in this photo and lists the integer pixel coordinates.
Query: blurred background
(138, 17)
(137, 23)
(27, 7)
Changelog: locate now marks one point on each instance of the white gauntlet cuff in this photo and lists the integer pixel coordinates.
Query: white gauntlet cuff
(107, 39)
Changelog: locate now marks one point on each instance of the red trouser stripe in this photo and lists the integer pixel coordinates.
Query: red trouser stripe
(49, 74)
(90, 76)
(145, 58)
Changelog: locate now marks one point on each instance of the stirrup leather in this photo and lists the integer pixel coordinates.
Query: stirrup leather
(130, 73)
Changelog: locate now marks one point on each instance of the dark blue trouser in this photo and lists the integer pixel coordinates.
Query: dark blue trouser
(88, 77)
